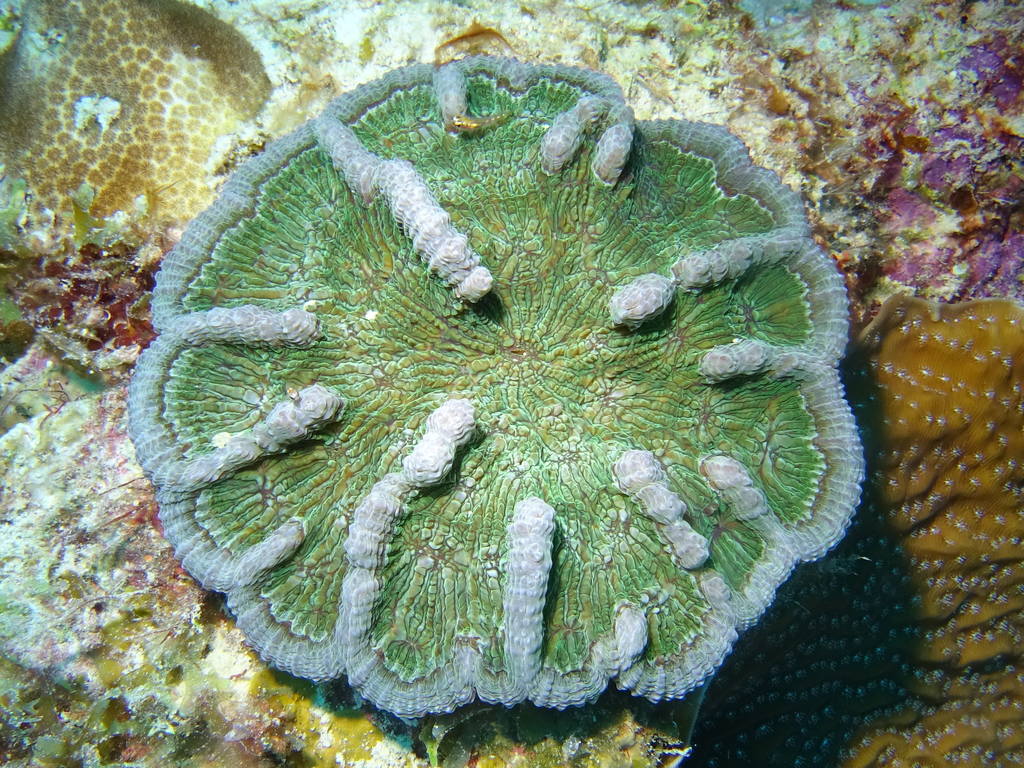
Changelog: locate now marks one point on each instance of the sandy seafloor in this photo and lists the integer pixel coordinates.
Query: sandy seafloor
(900, 123)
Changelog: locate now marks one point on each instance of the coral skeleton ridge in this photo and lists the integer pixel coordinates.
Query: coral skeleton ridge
(476, 387)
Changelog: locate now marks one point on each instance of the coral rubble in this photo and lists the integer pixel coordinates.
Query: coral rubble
(911, 116)
(92, 305)
(589, 447)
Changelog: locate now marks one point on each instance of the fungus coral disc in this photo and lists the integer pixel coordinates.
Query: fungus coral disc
(648, 587)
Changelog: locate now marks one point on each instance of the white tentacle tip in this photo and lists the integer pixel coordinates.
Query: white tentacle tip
(644, 298)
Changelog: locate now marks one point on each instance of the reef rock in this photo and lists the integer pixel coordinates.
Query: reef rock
(474, 386)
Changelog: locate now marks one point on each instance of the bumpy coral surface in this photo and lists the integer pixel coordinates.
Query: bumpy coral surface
(117, 95)
(953, 423)
(472, 386)
(903, 648)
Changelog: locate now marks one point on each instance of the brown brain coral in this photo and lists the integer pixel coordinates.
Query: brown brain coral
(906, 651)
(117, 94)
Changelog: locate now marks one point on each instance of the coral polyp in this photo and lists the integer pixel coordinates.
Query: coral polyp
(475, 386)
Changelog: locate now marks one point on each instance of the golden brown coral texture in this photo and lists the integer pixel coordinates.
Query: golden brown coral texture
(952, 379)
(127, 97)
(903, 647)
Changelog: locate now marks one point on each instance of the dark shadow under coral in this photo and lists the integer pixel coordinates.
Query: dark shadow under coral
(831, 653)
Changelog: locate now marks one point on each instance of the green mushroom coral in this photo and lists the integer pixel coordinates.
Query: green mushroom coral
(474, 386)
